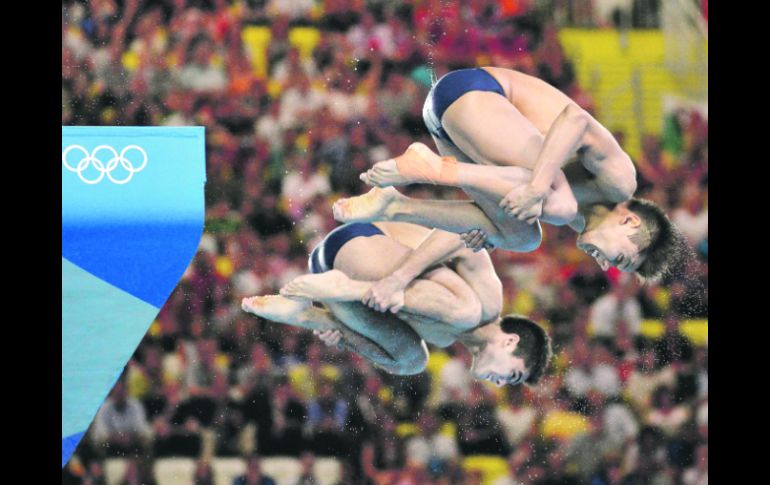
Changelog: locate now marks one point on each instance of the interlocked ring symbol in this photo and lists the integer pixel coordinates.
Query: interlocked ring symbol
(91, 160)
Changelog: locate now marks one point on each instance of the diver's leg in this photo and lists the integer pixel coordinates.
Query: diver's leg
(439, 294)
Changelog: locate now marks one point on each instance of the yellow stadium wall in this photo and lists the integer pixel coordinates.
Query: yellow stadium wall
(605, 62)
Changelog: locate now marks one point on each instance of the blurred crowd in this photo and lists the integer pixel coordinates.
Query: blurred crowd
(288, 129)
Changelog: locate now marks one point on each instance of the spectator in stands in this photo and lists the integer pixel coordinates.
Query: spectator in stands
(692, 215)
(153, 401)
(559, 421)
(689, 293)
(552, 66)
(562, 317)
(293, 9)
(673, 347)
(605, 375)
(645, 378)
(645, 458)
(298, 101)
(455, 379)
(430, 449)
(588, 282)
(121, 426)
(289, 417)
(517, 462)
(383, 450)
(95, 475)
(478, 431)
(137, 473)
(201, 74)
(279, 45)
(267, 127)
(518, 420)
(257, 367)
(205, 382)
(254, 475)
(617, 308)
(267, 218)
(698, 474)
(702, 364)
(368, 36)
(327, 416)
(665, 415)
(301, 184)
(231, 431)
(578, 379)
(619, 423)
(176, 440)
(204, 474)
(582, 451)
(307, 475)
(650, 169)
(292, 64)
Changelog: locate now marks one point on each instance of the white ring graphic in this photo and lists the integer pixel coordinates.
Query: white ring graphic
(90, 160)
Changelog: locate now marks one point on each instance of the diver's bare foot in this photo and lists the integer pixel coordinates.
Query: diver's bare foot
(418, 164)
(385, 174)
(275, 307)
(300, 313)
(375, 205)
(332, 285)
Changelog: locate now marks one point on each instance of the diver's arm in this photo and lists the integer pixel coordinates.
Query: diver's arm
(575, 129)
(388, 293)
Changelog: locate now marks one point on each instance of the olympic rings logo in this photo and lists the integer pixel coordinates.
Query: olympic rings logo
(91, 160)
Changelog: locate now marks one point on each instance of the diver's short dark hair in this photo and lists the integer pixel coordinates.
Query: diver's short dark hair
(666, 246)
(534, 345)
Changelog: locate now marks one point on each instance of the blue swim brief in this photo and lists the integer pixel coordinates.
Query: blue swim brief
(448, 89)
(322, 257)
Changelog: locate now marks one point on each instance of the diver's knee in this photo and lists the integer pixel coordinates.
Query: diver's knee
(414, 361)
(560, 210)
(525, 239)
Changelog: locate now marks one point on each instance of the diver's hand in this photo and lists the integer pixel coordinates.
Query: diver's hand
(331, 338)
(524, 202)
(476, 240)
(386, 294)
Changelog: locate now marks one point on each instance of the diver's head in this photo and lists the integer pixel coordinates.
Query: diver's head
(635, 236)
(516, 350)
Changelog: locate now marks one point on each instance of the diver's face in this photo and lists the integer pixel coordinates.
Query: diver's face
(610, 243)
(496, 364)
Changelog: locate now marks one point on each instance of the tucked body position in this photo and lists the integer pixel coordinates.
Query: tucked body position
(525, 153)
(388, 288)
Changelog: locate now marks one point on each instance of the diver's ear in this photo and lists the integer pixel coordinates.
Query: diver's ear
(512, 339)
(631, 219)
